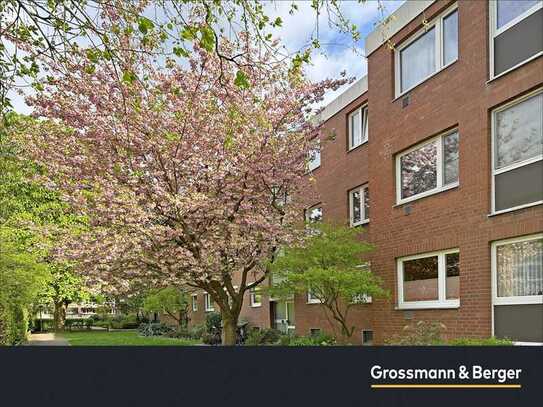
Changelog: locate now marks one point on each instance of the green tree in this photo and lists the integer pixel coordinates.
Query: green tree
(21, 277)
(34, 218)
(332, 265)
(170, 301)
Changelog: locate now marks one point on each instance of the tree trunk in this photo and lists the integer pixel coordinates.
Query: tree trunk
(229, 330)
(59, 316)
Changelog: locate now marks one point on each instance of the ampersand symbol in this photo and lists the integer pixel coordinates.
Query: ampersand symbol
(463, 372)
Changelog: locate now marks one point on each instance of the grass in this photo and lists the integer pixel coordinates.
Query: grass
(119, 338)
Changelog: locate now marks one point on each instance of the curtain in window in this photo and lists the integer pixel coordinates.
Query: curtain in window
(418, 60)
(520, 268)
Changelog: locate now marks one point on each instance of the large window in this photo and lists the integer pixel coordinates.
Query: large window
(359, 205)
(427, 52)
(208, 303)
(358, 127)
(518, 271)
(430, 280)
(427, 168)
(518, 154)
(314, 159)
(516, 33)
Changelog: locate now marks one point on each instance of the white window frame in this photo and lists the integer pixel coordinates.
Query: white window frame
(311, 299)
(442, 301)
(363, 111)
(516, 300)
(494, 32)
(194, 302)
(252, 296)
(439, 163)
(513, 166)
(314, 163)
(363, 218)
(436, 23)
(208, 303)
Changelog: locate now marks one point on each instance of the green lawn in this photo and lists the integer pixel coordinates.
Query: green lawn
(117, 338)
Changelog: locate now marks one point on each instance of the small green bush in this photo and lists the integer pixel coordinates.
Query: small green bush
(154, 329)
(316, 340)
(213, 322)
(480, 342)
(258, 337)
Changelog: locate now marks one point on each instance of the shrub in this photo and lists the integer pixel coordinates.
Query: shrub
(480, 342)
(211, 338)
(422, 333)
(315, 340)
(213, 322)
(154, 329)
(263, 337)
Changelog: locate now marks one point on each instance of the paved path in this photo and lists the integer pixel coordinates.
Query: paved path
(46, 339)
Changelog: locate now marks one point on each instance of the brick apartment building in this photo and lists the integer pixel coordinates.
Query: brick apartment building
(446, 132)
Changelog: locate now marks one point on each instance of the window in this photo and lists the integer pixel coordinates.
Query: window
(362, 299)
(314, 332)
(312, 299)
(194, 302)
(314, 160)
(256, 297)
(359, 205)
(367, 337)
(517, 266)
(428, 168)
(516, 33)
(427, 52)
(429, 281)
(313, 215)
(358, 127)
(517, 165)
(208, 303)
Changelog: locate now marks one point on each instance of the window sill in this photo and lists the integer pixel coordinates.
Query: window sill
(426, 194)
(256, 305)
(210, 310)
(516, 208)
(364, 222)
(428, 305)
(405, 92)
(313, 302)
(357, 147)
(514, 67)
(309, 172)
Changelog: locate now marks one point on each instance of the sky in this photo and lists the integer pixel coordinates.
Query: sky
(337, 53)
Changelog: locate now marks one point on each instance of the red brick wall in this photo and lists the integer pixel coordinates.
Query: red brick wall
(459, 96)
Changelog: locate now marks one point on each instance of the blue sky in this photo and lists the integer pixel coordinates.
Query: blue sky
(338, 53)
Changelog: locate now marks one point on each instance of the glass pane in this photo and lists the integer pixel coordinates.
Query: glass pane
(419, 170)
(314, 215)
(510, 9)
(521, 186)
(520, 268)
(417, 61)
(452, 283)
(355, 197)
(450, 38)
(365, 124)
(450, 158)
(519, 132)
(366, 203)
(355, 126)
(420, 279)
(280, 310)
